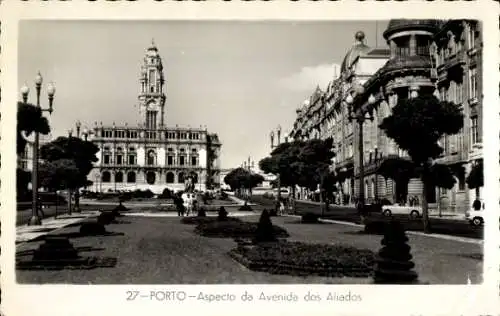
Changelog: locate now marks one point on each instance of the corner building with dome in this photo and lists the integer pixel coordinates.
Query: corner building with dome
(152, 155)
(443, 58)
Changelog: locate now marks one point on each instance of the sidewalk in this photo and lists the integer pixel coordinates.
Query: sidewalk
(239, 201)
(26, 233)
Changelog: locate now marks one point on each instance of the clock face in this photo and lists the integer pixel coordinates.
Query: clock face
(151, 105)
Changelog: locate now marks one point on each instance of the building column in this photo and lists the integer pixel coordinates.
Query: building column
(393, 47)
(413, 45)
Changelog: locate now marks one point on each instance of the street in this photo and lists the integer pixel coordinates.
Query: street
(460, 228)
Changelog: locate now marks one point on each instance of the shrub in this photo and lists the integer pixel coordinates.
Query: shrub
(197, 220)
(92, 229)
(233, 229)
(120, 208)
(125, 196)
(222, 216)
(298, 258)
(265, 231)
(309, 218)
(273, 212)
(374, 226)
(245, 207)
(393, 263)
(166, 194)
(106, 217)
(202, 212)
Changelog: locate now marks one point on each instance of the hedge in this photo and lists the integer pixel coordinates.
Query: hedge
(233, 229)
(298, 258)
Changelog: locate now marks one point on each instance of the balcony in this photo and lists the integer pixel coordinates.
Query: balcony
(452, 61)
(476, 151)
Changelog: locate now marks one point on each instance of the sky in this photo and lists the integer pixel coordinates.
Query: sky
(240, 79)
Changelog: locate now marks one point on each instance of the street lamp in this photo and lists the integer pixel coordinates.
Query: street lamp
(359, 114)
(51, 90)
(85, 134)
(78, 125)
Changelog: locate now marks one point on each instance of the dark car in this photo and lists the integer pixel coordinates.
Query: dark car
(50, 198)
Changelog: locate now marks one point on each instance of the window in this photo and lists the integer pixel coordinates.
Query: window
(119, 177)
(170, 177)
(119, 159)
(181, 177)
(193, 161)
(151, 77)
(131, 159)
(106, 159)
(106, 176)
(458, 93)
(151, 158)
(181, 160)
(170, 160)
(471, 37)
(473, 83)
(131, 177)
(474, 130)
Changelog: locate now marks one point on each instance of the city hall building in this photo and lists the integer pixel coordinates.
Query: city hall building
(152, 155)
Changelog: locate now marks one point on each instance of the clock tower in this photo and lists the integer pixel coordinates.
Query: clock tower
(152, 97)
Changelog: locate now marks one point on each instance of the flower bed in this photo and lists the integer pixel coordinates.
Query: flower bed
(297, 258)
(233, 229)
(196, 220)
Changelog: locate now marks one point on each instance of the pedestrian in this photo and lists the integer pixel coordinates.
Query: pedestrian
(476, 205)
(40, 209)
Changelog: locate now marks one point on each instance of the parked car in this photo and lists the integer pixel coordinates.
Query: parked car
(475, 217)
(51, 198)
(395, 209)
(284, 193)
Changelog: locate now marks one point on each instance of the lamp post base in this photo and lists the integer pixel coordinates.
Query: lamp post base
(35, 220)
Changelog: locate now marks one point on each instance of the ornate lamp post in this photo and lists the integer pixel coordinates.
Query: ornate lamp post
(70, 136)
(35, 219)
(358, 113)
(78, 125)
(85, 134)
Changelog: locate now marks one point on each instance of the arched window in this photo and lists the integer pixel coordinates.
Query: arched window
(170, 177)
(131, 177)
(194, 176)
(118, 177)
(106, 176)
(151, 157)
(181, 177)
(150, 177)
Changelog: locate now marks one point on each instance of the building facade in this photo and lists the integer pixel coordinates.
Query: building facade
(152, 155)
(424, 57)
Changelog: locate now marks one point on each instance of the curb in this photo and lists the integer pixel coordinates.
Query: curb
(439, 236)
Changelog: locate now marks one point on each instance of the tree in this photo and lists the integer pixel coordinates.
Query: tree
(416, 125)
(475, 179)
(241, 178)
(81, 152)
(60, 174)
(303, 163)
(29, 120)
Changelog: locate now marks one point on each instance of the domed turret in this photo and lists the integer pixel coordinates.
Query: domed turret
(152, 50)
(359, 48)
(400, 25)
